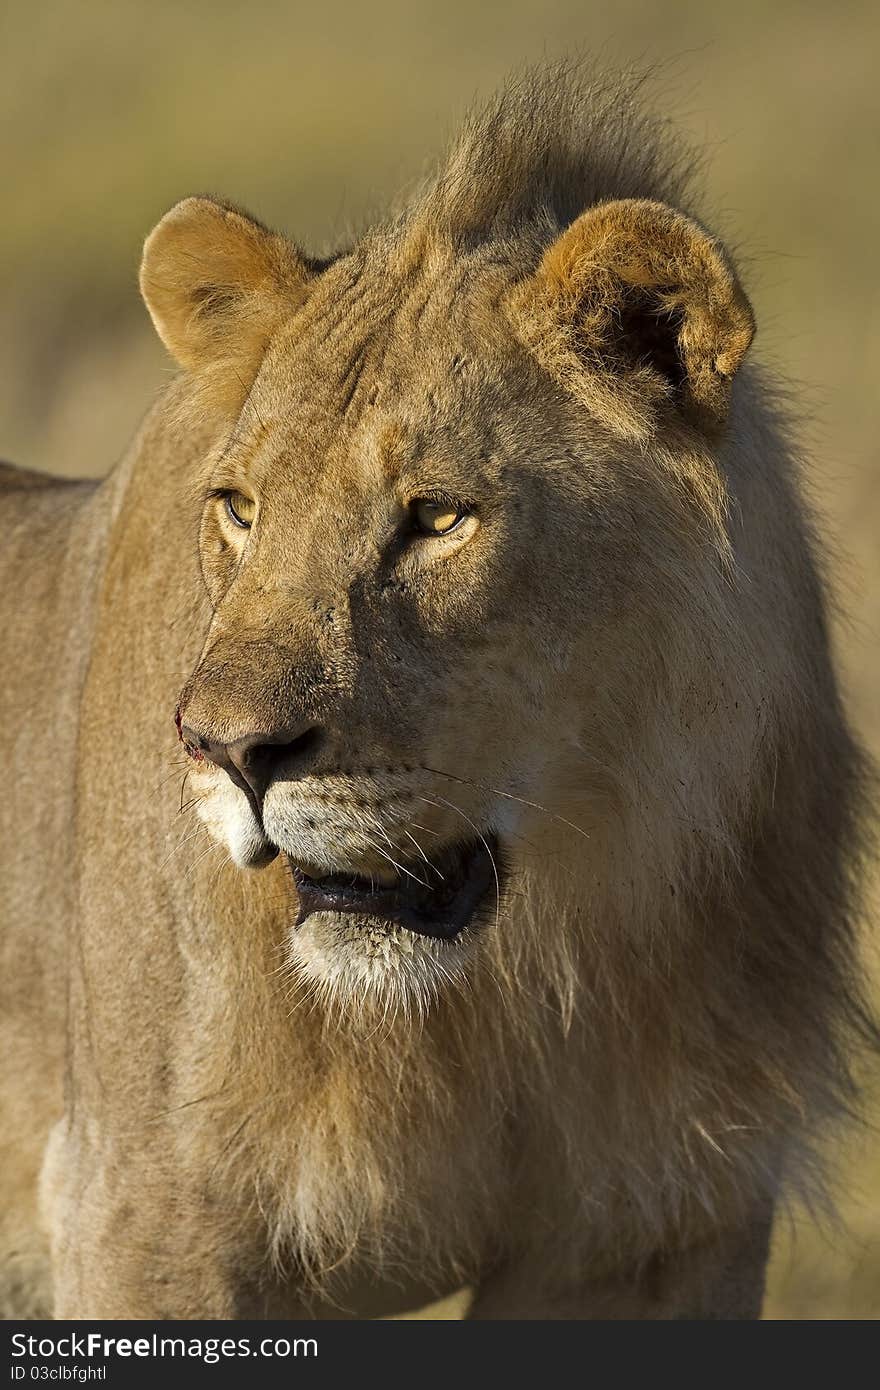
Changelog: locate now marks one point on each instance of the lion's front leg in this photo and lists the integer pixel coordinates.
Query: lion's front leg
(130, 1238)
(722, 1279)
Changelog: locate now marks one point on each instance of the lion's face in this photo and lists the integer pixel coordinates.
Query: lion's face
(420, 548)
(397, 610)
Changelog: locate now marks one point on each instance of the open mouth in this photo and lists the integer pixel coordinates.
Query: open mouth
(438, 899)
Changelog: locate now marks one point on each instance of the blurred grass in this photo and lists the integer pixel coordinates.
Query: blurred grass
(311, 117)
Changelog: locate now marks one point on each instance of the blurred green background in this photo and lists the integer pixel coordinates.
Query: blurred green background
(312, 115)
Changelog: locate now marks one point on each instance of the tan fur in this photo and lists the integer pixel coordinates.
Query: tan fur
(585, 1105)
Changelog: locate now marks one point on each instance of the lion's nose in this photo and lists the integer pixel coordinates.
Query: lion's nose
(253, 761)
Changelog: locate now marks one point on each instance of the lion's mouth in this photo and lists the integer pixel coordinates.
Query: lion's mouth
(437, 899)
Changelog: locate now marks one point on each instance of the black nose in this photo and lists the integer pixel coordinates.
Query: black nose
(253, 761)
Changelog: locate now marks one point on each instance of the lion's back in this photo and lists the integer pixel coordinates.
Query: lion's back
(45, 568)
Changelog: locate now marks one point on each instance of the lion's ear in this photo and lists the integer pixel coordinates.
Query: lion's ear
(635, 305)
(217, 284)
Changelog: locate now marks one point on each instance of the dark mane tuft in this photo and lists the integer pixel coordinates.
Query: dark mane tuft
(556, 139)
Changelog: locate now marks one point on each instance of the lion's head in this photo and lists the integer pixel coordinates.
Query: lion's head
(465, 537)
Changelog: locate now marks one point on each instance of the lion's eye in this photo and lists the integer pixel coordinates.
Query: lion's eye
(434, 517)
(241, 510)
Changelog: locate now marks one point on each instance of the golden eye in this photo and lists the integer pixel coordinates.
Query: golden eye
(241, 510)
(435, 517)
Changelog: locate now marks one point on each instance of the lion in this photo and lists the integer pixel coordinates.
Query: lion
(431, 830)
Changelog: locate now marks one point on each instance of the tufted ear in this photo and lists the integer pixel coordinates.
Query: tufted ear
(217, 285)
(635, 305)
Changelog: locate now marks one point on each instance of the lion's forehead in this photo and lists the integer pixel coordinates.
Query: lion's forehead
(389, 356)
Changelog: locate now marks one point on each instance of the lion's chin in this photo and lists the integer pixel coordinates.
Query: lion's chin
(366, 968)
(393, 946)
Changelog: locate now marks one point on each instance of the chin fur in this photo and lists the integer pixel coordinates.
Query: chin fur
(366, 973)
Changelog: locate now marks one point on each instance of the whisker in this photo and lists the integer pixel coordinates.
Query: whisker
(221, 866)
(453, 807)
(421, 851)
(182, 789)
(187, 839)
(206, 853)
(166, 777)
(510, 796)
(426, 828)
(400, 867)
